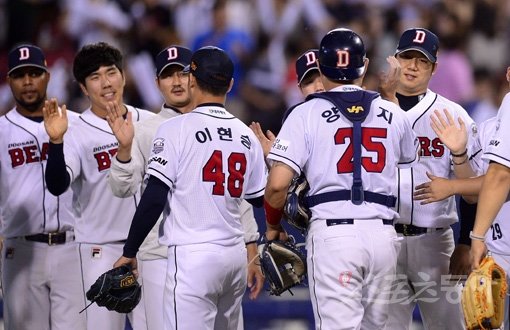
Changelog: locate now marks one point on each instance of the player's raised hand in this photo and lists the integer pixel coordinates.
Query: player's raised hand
(435, 190)
(55, 120)
(388, 80)
(455, 138)
(265, 140)
(123, 129)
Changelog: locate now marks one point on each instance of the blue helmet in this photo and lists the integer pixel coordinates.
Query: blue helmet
(342, 55)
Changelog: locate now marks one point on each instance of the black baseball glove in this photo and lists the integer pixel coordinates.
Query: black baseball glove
(283, 265)
(117, 290)
(295, 211)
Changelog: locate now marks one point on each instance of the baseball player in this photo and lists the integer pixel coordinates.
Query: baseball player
(348, 142)
(428, 243)
(493, 206)
(128, 169)
(206, 160)
(309, 82)
(37, 227)
(82, 162)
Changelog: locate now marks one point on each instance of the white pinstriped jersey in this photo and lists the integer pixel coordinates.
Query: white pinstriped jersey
(126, 179)
(317, 142)
(211, 161)
(494, 138)
(434, 158)
(26, 206)
(88, 149)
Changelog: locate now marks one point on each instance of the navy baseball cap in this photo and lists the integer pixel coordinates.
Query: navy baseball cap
(173, 55)
(211, 65)
(421, 40)
(306, 63)
(26, 55)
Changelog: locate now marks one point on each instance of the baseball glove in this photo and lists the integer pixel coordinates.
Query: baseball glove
(294, 210)
(483, 296)
(283, 265)
(117, 290)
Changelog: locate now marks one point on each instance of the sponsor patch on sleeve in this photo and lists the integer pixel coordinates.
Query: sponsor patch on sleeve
(281, 145)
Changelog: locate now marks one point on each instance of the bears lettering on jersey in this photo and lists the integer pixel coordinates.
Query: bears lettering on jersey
(431, 148)
(26, 153)
(104, 159)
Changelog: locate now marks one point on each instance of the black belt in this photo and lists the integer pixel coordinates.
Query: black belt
(335, 222)
(50, 238)
(412, 230)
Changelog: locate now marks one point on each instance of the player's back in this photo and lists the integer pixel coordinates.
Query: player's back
(211, 160)
(318, 138)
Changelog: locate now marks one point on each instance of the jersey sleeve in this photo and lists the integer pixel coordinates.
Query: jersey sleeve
(498, 149)
(250, 228)
(126, 178)
(258, 176)
(72, 153)
(409, 145)
(290, 145)
(163, 161)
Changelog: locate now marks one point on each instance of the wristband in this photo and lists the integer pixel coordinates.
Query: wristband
(459, 155)
(462, 162)
(273, 216)
(476, 237)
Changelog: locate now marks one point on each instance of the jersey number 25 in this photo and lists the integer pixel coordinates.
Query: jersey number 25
(236, 167)
(375, 165)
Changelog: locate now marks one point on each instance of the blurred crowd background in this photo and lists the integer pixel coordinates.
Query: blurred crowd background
(264, 37)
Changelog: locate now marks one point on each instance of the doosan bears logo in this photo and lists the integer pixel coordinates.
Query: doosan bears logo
(431, 148)
(27, 152)
(103, 155)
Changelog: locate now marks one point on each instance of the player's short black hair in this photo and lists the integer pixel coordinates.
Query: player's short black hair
(93, 56)
(211, 89)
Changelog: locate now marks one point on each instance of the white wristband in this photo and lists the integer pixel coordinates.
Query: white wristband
(476, 237)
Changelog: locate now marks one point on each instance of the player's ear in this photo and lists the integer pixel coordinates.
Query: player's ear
(230, 85)
(84, 89)
(434, 67)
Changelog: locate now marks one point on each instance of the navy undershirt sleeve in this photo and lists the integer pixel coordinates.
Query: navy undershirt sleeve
(56, 175)
(257, 202)
(467, 214)
(151, 205)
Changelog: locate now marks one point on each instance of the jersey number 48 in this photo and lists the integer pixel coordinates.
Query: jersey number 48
(236, 167)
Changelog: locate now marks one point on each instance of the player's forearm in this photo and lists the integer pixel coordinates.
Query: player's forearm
(151, 205)
(56, 176)
(468, 186)
(124, 153)
(125, 179)
(462, 166)
(250, 228)
(495, 188)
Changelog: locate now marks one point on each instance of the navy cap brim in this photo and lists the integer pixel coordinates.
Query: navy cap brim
(306, 73)
(168, 64)
(186, 69)
(419, 49)
(27, 65)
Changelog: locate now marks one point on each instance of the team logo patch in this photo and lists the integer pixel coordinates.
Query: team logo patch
(158, 145)
(280, 144)
(127, 281)
(355, 109)
(96, 253)
(345, 278)
(9, 253)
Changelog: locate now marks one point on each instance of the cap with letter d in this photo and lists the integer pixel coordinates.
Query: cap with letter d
(24, 56)
(421, 40)
(173, 55)
(306, 63)
(342, 55)
(211, 65)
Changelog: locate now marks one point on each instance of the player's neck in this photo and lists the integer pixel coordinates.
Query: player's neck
(407, 102)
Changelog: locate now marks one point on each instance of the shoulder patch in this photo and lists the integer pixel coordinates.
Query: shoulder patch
(158, 145)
